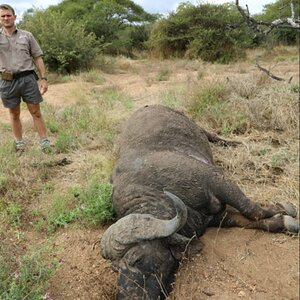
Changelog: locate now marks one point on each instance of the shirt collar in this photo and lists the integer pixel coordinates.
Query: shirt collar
(2, 30)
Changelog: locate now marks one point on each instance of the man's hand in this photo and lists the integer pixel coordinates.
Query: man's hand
(43, 86)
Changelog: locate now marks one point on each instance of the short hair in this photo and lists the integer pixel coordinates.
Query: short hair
(8, 7)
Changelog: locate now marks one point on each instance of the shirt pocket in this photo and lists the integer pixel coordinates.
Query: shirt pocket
(4, 45)
(22, 46)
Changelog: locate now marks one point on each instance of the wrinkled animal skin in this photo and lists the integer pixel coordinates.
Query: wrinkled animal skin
(167, 191)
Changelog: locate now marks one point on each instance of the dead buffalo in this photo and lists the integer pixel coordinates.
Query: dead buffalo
(167, 191)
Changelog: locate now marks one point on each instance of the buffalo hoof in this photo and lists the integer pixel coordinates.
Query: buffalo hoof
(290, 224)
(287, 209)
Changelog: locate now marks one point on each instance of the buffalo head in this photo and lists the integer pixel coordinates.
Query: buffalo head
(144, 249)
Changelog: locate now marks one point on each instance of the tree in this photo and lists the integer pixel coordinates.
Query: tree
(110, 20)
(279, 21)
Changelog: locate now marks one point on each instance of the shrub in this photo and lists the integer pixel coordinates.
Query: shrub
(211, 32)
(67, 47)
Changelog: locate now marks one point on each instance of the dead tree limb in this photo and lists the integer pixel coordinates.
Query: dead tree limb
(256, 25)
(270, 74)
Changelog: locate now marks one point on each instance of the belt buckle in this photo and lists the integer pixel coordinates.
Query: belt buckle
(7, 75)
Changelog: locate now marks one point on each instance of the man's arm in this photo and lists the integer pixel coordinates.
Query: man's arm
(42, 71)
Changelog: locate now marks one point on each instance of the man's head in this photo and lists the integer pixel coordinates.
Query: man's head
(7, 16)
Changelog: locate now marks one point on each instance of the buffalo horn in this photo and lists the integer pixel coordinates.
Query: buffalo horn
(135, 228)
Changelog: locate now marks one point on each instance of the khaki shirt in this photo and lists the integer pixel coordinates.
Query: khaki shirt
(18, 50)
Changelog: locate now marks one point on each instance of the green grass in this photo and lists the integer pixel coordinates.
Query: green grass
(5, 126)
(163, 74)
(66, 140)
(233, 123)
(4, 182)
(55, 78)
(13, 213)
(95, 202)
(8, 159)
(92, 76)
(61, 212)
(90, 204)
(76, 123)
(110, 97)
(295, 88)
(283, 157)
(171, 99)
(106, 64)
(208, 97)
(27, 278)
(211, 104)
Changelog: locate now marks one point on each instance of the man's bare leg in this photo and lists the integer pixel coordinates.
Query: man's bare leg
(16, 125)
(38, 119)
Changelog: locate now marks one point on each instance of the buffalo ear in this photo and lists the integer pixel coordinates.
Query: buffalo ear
(182, 247)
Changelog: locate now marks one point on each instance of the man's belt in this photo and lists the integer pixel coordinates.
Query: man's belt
(23, 74)
(9, 76)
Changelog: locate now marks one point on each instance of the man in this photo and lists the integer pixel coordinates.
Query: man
(19, 55)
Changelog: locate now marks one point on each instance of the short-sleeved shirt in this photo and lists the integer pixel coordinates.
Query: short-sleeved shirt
(18, 50)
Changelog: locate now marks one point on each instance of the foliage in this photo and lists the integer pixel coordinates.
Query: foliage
(211, 32)
(121, 25)
(67, 46)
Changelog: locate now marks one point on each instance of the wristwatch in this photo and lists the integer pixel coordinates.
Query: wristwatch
(44, 78)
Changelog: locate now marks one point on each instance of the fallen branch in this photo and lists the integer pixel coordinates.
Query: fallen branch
(270, 74)
(50, 164)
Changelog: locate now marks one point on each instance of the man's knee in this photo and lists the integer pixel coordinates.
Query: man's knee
(15, 113)
(36, 114)
(34, 110)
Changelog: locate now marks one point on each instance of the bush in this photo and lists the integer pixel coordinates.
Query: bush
(213, 33)
(67, 47)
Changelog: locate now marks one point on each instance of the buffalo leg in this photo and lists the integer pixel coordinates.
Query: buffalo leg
(276, 223)
(213, 138)
(227, 192)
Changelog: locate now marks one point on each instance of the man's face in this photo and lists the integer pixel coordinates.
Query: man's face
(7, 18)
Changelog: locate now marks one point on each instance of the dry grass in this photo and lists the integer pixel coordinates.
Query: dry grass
(250, 107)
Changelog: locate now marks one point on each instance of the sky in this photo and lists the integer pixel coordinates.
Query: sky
(151, 6)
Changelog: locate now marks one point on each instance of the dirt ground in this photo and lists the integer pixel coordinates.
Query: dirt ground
(234, 264)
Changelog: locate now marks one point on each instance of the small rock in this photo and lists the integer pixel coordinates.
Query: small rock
(242, 294)
(208, 292)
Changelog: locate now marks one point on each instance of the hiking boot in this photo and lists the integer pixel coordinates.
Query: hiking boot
(45, 145)
(20, 145)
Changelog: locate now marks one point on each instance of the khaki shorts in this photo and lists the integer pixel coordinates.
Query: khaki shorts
(24, 88)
